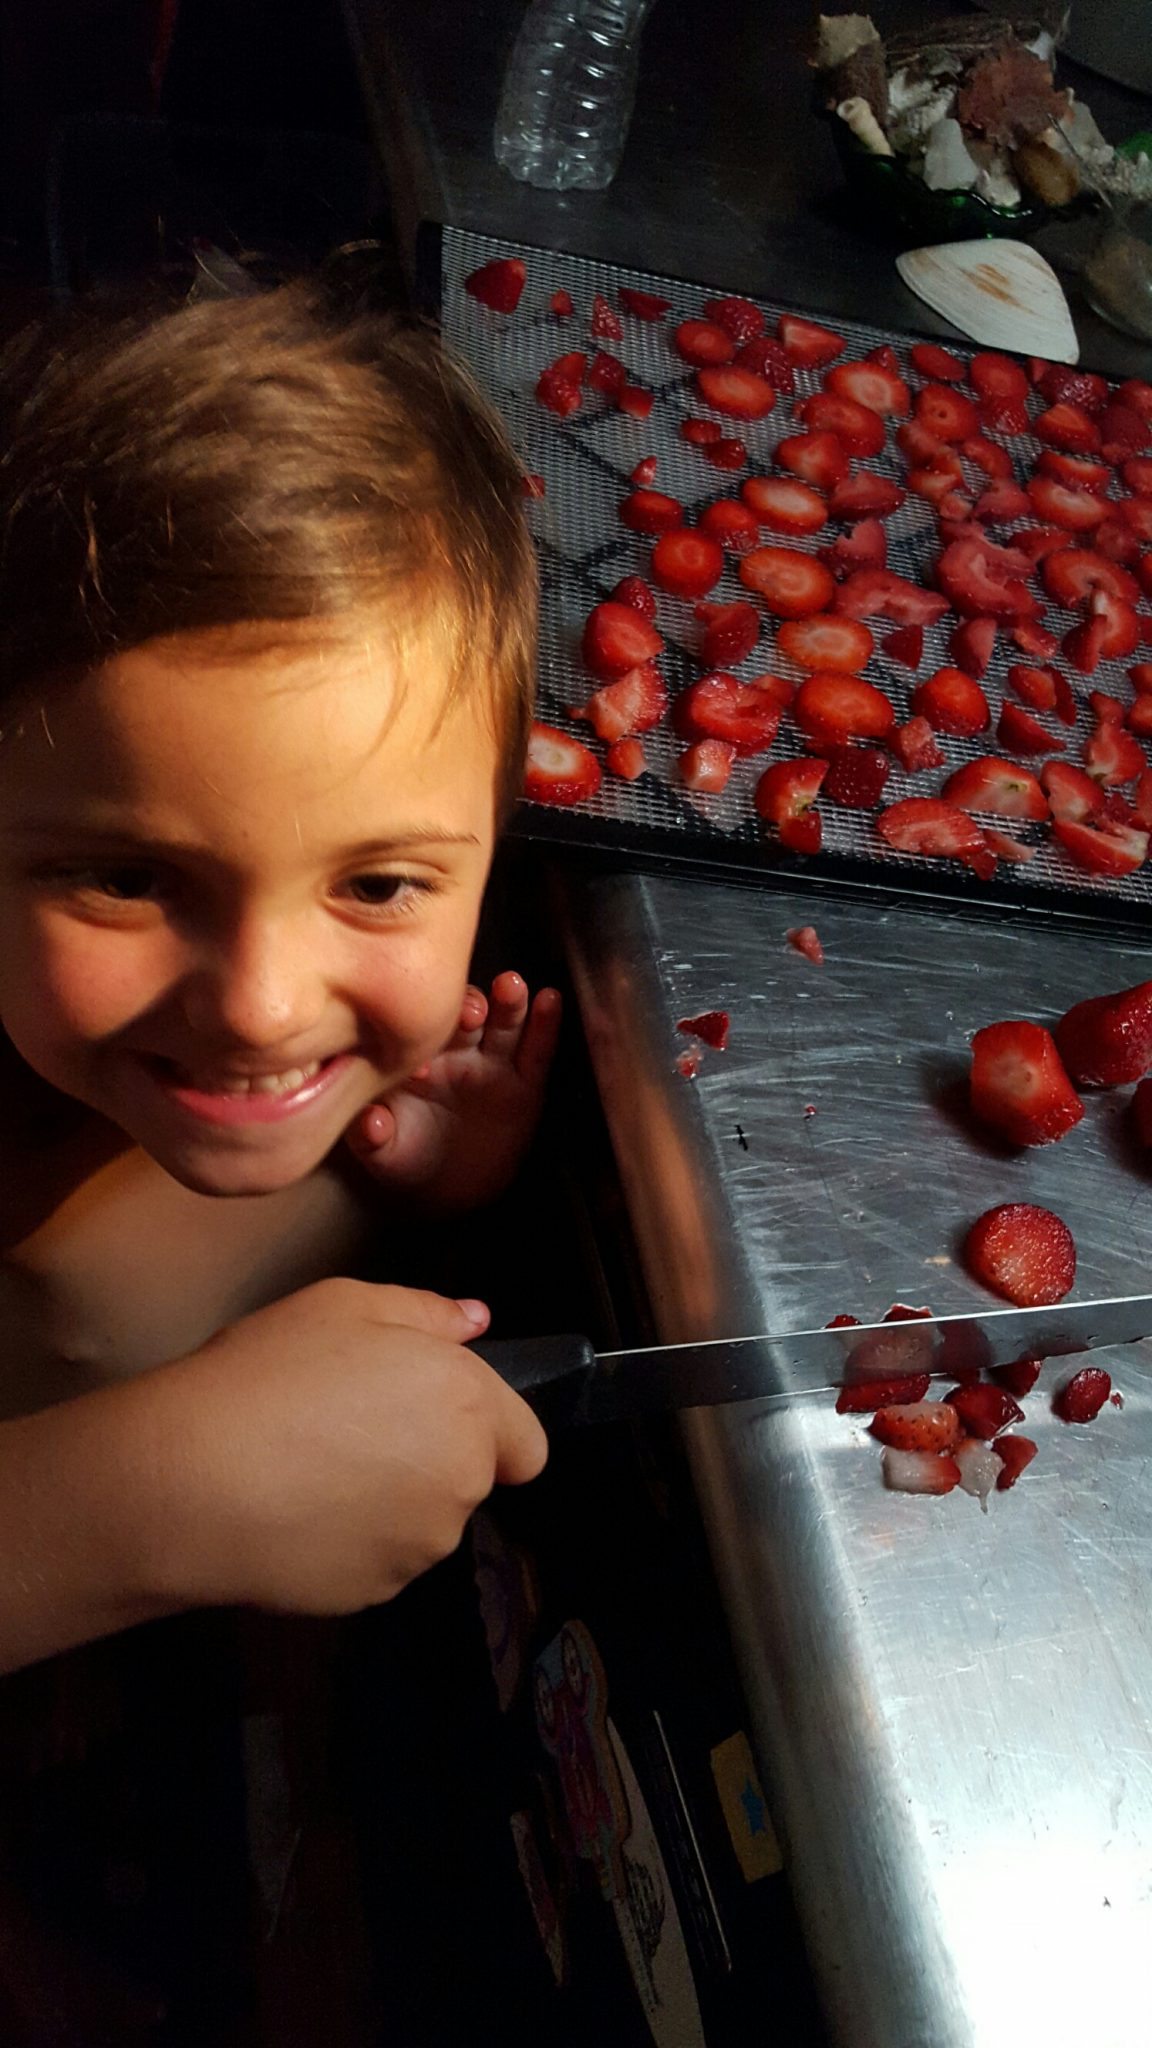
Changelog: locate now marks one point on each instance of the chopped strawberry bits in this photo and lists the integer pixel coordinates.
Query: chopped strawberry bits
(1084, 1395)
(712, 1027)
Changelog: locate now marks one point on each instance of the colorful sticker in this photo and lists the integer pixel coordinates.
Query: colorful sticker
(649, 1924)
(745, 1809)
(572, 1717)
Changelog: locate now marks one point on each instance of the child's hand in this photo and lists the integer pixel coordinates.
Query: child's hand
(454, 1135)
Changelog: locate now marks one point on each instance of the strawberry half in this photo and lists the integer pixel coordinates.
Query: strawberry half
(914, 745)
(1022, 1252)
(834, 708)
(785, 796)
(1079, 472)
(1073, 575)
(1032, 639)
(559, 769)
(982, 579)
(498, 284)
(1064, 425)
(625, 758)
(817, 459)
(952, 703)
(633, 703)
(1020, 1376)
(732, 524)
(808, 344)
(1015, 1454)
(1083, 1396)
(791, 584)
(687, 562)
(865, 496)
(866, 547)
(905, 645)
(730, 631)
(825, 641)
(880, 593)
(1002, 500)
(705, 767)
(988, 456)
(997, 377)
(634, 592)
(946, 413)
(1022, 734)
(927, 825)
(939, 365)
(1057, 505)
(1063, 382)
(721, 707)
(871, 384)
(1007, 416)
(1020, 1085)
(651, 512)
(1118, 851)
(785, 505)
(701, 342)
(860, 430)
(918, 1426)
(973, 643)
(856, 777)
(617, 639)
(1074, 797)
(1112, 756)
(1035, 687)
(770, 361)
(1001, 787)
(738, 317)
(1106, 1041)
(1005, 847)
(734, 390)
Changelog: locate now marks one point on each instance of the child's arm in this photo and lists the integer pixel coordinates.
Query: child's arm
(312, 1459)
(454, 1135)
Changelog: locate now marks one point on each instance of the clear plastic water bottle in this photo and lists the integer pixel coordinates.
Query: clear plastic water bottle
(568, 92)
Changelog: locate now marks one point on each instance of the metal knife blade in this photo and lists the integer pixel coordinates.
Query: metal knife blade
(570, 1384)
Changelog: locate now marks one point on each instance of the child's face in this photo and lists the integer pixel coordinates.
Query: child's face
(239, 886)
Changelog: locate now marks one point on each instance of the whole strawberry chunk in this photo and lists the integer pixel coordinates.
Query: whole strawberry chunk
(806, 939)
(785, 797)
(498, 284)
(730, 631)
(738, 317)
(617, 638)
(1022, 1252)
(604, 323)
(1019, 1084)
(919, 1471)
(1106, 1041)
(928, 825)
(952, 703)
(914, 745)
(984, 1410)
(687, 562)
(918, 1426)
(1083, 1396)
(1001, 787)
(1015, 1454)
(856, 777)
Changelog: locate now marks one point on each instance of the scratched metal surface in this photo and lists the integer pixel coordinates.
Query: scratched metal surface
(954, 1709)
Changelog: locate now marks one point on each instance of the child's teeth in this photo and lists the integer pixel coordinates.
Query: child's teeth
(258, 1084)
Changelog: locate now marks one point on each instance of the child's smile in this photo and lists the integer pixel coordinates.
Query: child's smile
(240, 874)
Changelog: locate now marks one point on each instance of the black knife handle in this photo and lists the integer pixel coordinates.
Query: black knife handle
(550, 1372)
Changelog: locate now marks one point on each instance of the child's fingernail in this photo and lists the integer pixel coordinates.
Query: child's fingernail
(376, 1127)
(475, 1311)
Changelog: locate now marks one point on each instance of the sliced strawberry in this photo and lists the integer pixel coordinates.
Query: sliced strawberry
(1123, 432)
(918, 1426)
(865, 496)
(1032, 638)
(914, 745)
(1065, 383)
(701, 342)
(730, 631)
(927, 825)
(1065, 426)
(947, 413)
(980, 578)
(1079, 472)
(1022, 1252)
(1074, 797)
(995, 461)
(651, 512)
(1007, 416)
(1082, 1397)
(625, 758)
(817, 459)
(642, 305)
(871, 384)
(843, 1322)
(1037, 542)
(952, 703)
(1035, 687)
(806, 939)
(1144, 574)
(1115, 852)
(956, 510)
(635, 401)
(1006, 848)
(856, 777)
(1136, 471)
(738, 317)
(561, 304)
(880, 593)
(792, 584)
(1020, 1376)
(732, 524)
(603, 323)
(1111, 755)
(769, 361)
(938, 485)
(865, 1397)
(1137, 395)
(785, 796)
(498, 284)
(706, 766)
(721, 707)
(645, 470)
(866, 547)
(972, 645)
(1020, 1085)
(559, 769)
(825, 641)
(558, 391)
(833, 708)
(939, 365)
(807, 343)
(617, 639)
(1084, 645)
(1139, 718)
(633, 703)
(1109, 710)
(1072, 576)
(1067, 709)
(860, 430)
(687, 562)
(984, 1410)
(1001, 501)
(533, 485)
(1115, 811)
(1106, 1041)
(1001, 787)
(1015, 1454)
(1022, 734)
(997, 377)
(606, 373)
(785, 505)
(711, 1027)
(634, 592)
(905, 645)
(918, 1471)
(1121, 624)
(741, 393)
(727, 453)
(1140, 677)
(923, 449)
(1115, 539)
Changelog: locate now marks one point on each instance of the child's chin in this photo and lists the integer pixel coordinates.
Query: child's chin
(208, 1174)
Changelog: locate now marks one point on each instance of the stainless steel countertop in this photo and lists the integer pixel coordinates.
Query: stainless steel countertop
(954, 1710)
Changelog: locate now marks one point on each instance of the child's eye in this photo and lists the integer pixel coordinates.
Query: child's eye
(387, 892)
(118, 881)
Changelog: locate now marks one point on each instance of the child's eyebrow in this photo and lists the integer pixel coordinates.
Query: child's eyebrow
(96, 837)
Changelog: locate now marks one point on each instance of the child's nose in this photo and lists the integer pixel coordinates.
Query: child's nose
(262, 986)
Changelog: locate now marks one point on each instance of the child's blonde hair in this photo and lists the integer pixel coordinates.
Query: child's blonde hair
(260, 460)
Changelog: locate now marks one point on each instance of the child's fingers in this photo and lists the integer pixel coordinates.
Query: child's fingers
(506, 1013)
(372, 1131)
(539, 1038)
(473, 1017)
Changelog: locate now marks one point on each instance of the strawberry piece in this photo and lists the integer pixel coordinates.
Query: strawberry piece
(606, 373)
(1084, 645)
(1074, 797)
(982, 579)
(956, 511)
(1039, 541)
(914, 745)
(865, 1397)
(1115, 852)
(918, 1471)
(901, 1313)
(807, 344)
(1142, 1110)
(856, 777)
(1082, 1397)
(1137, 395)
(939, 365)
(785, 505)
(721, 707)
(1020, 1376)
(645, 470)
(844, 1323)
(1065, 426)
(873, 385)
(625, 758)
(952, 703)
(706, 766)
(1005, 847)
(1115, 810)
(711, 1027)
(918, 1426)
(604, 324)
(1033, 639)
(1140, 677)
(558, 391)
(1001, 501)
(1007, 416)
(1122, 432)
(833, 708)
(947, 413)
(905, 645)
(732, 524)
(635, 401)
(701, 342)
(938, 485)
(1115, 539)
(927, 825)
(1022, 734)
(1136, 514)
(498, 284)
(1035, 687)
(651, 512)
(689, 1062)
(533, 485)
(785, 796)
(1020, 1085)
(1079, 472)
(885, 355)
(817, 459)
(1111, 755)
(1072, 576)
(860, 430)
(997, 377)
(806, 939)
(701, 432)
(1067, 709)
(1144, 574)
(1064, 383)
(866, 547)
(995, 461)
(730, 631)
(983, 1409)
(617, 639)
(727, 453)
(742, 393)
(1139, 718)
(1136, 471)
(791, 584)
(880, 593)
(1001, 787)
(769, 361)
(687, 563)
(1106, 1041)
(979, 1468)
(924, 450)
(559, 769)
(634, 592)
(635, 702)
(825, 641)
(1015, 1454)
(1109, 710)
(972, 645)
(1022, 1252)
(561, 304)
(642, 305)
(738, 317)
(865, 496)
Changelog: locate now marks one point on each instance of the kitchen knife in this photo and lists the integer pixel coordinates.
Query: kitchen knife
(569, 1383)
